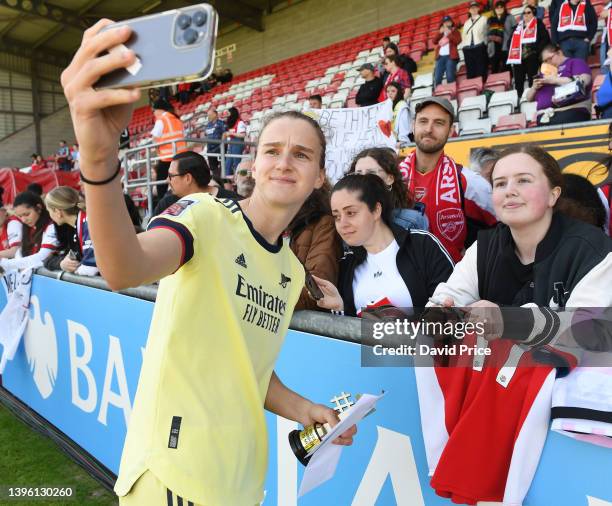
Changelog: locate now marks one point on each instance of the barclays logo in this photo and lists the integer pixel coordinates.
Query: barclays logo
(40, 343)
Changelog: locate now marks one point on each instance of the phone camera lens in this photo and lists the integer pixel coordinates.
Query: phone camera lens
(184, 21)
(190, 36)
(199, 18)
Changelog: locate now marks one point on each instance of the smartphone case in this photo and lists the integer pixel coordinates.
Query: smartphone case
(158, 42)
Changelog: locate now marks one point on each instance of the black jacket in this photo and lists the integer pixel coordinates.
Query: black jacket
(590, 18)
(571, 269)
(421, 260)
(368, 92)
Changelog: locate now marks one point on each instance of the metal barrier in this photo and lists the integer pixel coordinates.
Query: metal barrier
(133, 162)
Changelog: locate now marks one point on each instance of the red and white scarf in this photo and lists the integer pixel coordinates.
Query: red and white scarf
(440, 191)
(572, 20)
(522, 35)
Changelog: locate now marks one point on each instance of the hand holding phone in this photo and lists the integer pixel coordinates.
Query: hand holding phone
(170, 47)
(312, 287)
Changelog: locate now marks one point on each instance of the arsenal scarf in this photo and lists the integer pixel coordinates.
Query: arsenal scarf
(522, 35)
(440, 191)
(572, 20)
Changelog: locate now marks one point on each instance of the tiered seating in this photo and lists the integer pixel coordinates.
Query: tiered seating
(332, 72)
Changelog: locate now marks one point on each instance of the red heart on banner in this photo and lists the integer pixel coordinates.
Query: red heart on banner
(385, 127)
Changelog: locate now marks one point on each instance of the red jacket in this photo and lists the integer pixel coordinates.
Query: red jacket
(454, 38)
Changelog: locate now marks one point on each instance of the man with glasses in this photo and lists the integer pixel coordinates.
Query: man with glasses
(189, 173)
(550, 111)
(244, 179)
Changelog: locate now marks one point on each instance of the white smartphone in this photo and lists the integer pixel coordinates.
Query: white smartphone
(172, 47)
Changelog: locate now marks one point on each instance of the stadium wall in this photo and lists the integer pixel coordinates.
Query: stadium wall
(313, 24)
(16, 148)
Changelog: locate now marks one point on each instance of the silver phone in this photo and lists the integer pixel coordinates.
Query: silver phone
(172, 47)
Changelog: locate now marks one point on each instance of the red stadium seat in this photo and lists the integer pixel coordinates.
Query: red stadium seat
(511, 122)
(469, 88)
(448, 91)
(498, 82)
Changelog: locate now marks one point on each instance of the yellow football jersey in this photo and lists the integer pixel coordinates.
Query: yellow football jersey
(218, 325)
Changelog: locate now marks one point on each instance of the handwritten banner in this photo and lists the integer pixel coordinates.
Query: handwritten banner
(348, 131)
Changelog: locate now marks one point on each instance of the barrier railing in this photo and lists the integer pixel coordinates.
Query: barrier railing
(138, 168)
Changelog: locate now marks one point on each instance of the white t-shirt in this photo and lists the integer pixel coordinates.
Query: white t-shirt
(377, 278)
(444, 50)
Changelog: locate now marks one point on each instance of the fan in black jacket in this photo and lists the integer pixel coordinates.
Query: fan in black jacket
(385, 264)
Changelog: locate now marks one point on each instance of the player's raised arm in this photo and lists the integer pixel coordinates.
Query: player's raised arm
(99, 117)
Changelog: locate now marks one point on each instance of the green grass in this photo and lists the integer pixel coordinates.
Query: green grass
(28, 459)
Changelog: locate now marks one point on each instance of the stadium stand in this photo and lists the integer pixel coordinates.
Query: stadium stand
(332, 73)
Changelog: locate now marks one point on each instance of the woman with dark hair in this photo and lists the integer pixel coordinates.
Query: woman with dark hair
(401, 123)
(314, 241)
(382, 162)
(385, 264)
(553, 271)
(236, 132)
(394, 73)
(581, 200)
(38, 237)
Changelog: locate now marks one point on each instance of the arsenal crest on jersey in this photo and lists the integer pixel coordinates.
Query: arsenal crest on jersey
(419, 193)
(450, 222)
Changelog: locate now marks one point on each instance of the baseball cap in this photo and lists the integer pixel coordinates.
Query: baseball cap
(474, 2)
(442, 102)
(446, 18)
(366, 66)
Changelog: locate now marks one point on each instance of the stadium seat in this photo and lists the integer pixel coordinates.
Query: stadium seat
(472, 108)
(529, 109)
(469, 88)
(421, 93)
(448, 90)
(498, 82)
(423, 81)
(511, 122)
(475, 126)
(502, 104)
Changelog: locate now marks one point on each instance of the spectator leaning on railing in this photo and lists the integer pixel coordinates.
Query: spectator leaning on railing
(75, 249)
(10, 233)
(572, 73)
(38, 235)
(386, 265)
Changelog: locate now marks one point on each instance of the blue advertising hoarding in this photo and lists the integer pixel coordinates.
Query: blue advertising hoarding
(78, 367)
